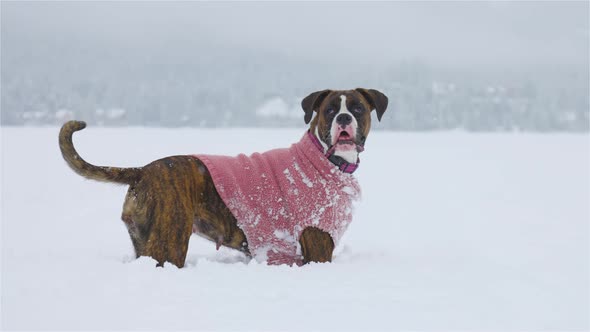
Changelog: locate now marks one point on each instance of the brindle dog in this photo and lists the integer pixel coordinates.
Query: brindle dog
(173, 197)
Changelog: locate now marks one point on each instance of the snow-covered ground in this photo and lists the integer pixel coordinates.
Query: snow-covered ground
(455, 231)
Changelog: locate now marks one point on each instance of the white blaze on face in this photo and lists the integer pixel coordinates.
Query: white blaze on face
(346, 151)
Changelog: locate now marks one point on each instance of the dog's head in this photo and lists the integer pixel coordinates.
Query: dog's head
(343, 118)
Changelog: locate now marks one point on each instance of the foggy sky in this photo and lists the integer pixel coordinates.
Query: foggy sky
(447, 33)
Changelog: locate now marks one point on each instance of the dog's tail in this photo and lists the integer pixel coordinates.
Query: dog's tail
(98, 173)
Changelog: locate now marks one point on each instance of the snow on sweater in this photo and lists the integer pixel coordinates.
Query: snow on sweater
(275, 195)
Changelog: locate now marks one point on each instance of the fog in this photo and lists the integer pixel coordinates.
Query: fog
(287, 50)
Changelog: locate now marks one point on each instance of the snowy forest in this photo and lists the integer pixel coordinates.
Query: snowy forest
(78, 67)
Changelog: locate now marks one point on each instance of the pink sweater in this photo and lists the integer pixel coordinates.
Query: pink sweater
(275, 195)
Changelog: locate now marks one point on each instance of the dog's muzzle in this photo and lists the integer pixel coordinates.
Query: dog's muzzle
(342, 164)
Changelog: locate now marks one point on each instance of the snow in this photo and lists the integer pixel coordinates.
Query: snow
(455, 231)
(304, 177)
(289, 176)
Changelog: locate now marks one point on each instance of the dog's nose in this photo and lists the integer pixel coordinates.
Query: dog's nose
(344, 119)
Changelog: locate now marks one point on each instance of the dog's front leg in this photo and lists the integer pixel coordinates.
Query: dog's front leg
(316, 245)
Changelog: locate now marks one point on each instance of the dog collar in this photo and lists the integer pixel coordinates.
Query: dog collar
(340, 162)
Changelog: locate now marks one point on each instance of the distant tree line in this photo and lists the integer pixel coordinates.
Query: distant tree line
(227, 90)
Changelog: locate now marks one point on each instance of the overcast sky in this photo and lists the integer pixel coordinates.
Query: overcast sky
(456, 33)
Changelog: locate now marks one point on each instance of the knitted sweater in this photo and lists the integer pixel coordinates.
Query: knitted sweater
(275, 195)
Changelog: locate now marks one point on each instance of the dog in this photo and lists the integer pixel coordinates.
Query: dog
(285, 206)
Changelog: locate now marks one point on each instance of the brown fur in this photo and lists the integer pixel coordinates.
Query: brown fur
(167, 200)
(316, 245)
(173, 197)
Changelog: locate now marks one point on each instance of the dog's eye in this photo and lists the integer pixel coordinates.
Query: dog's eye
(330, 110)
(358, 110)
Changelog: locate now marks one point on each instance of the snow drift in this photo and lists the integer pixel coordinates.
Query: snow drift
(455, 231)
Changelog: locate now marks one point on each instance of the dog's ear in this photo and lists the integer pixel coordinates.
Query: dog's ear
(376, 99)
(312, 102)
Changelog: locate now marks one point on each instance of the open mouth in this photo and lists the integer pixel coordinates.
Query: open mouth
(344, 138)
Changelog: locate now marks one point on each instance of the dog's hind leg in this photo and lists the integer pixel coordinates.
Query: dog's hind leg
(134, 233)
(170, 232)
(135, 218)
(163, 206)
(169, 236)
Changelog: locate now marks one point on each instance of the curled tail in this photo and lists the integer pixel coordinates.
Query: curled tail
(98, 173)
